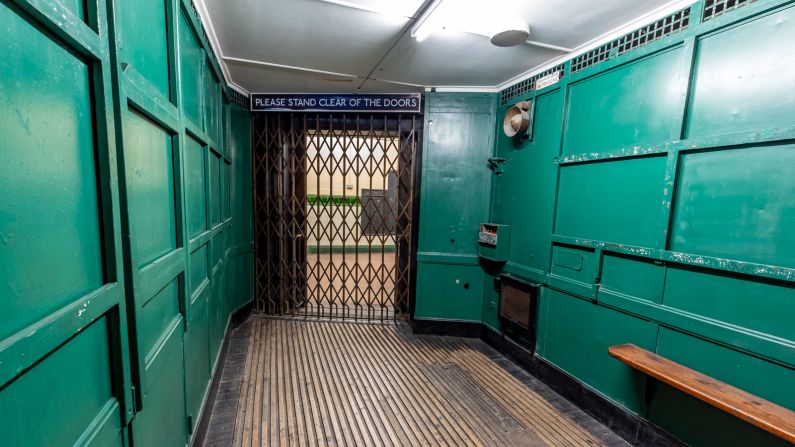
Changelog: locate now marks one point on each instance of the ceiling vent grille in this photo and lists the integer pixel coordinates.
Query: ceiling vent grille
(527, 85)
(714, 8)
(666, 26)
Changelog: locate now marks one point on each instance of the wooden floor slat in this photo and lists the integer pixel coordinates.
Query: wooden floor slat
(321, 383)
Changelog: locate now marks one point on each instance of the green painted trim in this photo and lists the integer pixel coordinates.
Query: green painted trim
(447, 258)
(572, 287)
(26, 347)
(756, 344)
(105, 420)
(199, 241)
(168, 341)
(707, 262)
(158, 274)
(375, 249)
(527, 273)
(242, 249)
(65, 24)
(149, 101)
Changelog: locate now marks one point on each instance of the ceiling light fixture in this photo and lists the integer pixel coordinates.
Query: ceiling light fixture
(510, 34)
(426, 24)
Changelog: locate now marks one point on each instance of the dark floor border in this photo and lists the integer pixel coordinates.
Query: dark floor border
(237, 318)
(634, 429)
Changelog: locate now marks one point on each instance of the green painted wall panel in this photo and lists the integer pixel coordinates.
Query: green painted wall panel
(74, 381)
(744, 80)
(198, 267)
(191, 61)
(454, 292)
(762, 306)
(143, 35)
(727, 365)
(737, 204)
(215, 188)
(149, 165)
(632, 105)
(616, 201)
(515, 192)
(196, 186)
(155, 317)
(197, 355)
(635, 277)
(458, 142)
(163, 420)
(578, 333)
(91, 156)
(49, 212)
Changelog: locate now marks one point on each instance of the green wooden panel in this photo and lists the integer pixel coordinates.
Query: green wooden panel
(58, 401)
(149, 165)
(76, 6)
(574, 270)
(163, 420)
(215, 188)
(216, 314)
(638, 278)
(198, 267)
(191, 59)
(737, 204)
(455, 176)
(49, 213)
(144, 40)
(442, 292)
(744, 78)
(677, 412)
(632, 105)
(196, 186)
(212, 104)
(226, 200)
(612, 201)
(742, 301)
(197, 355)
(516, 193)
(578, 334)
(154, 318)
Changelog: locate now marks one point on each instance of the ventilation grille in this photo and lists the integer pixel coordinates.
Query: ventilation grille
(666, 26)
(529, 84)
(714, 8)
(237, 98)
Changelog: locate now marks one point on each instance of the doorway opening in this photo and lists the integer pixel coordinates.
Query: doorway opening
(334, 205)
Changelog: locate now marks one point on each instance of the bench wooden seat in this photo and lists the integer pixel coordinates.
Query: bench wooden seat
(766, 415)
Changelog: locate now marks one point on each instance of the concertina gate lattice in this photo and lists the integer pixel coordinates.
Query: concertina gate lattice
(334, 205)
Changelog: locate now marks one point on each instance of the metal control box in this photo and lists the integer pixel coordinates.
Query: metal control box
(494, 242)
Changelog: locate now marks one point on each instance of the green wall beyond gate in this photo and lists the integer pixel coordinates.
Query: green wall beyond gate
(125, 221)
(655, 203)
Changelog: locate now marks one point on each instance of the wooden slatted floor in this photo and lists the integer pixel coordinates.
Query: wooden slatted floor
(308, 383)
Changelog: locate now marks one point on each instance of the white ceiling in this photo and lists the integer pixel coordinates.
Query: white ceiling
(366, 45)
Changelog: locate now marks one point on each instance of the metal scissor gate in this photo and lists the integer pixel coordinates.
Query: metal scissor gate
(334, 206)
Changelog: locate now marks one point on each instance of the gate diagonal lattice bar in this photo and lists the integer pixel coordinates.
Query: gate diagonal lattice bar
(334, 205)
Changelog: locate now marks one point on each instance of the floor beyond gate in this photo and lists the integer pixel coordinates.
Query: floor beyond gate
(320, 383)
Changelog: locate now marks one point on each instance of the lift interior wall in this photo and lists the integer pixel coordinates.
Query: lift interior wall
(125, 223)
(653, 204)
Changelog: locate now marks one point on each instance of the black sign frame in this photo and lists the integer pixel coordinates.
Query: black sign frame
(337, 102)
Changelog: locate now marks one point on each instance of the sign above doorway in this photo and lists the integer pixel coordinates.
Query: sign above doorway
(310, 102)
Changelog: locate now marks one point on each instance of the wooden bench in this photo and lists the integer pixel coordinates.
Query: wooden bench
(766, 415)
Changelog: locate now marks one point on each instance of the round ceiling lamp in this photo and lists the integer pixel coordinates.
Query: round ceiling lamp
(510, 35)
